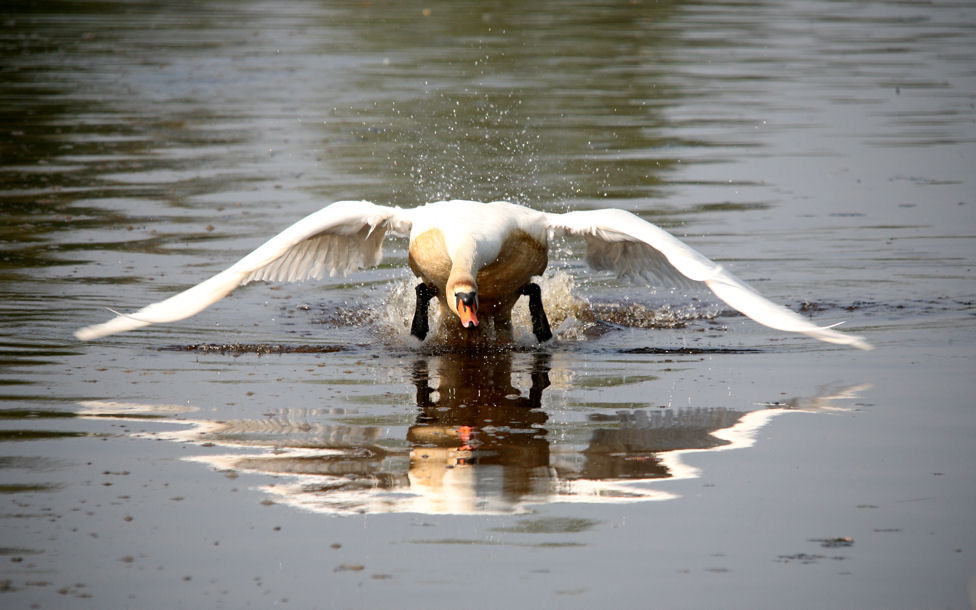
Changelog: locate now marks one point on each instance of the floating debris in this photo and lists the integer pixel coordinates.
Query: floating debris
(690, 351)
(805, 558)
(253, 348)
(834, 543)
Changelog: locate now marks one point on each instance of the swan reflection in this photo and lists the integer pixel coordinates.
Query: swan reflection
(473, 443)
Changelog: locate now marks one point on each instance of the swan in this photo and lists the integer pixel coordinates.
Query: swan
(477, 259)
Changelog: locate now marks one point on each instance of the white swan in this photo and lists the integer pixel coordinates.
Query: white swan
(476, 258)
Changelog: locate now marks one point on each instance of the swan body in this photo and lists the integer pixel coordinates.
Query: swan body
(476, 258)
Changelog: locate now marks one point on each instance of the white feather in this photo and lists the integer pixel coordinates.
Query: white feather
(349, 234)
(337, 239)
(620, 241)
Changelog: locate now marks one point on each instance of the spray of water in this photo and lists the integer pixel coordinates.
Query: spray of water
(573, 317)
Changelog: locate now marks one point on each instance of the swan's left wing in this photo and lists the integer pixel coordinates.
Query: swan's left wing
(338, 238)
(620, 241)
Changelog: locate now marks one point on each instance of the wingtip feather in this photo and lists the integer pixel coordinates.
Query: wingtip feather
(828, 334)
(120, 323)
(860, 343)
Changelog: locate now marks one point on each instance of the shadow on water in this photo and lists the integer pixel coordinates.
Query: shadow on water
(471, 442)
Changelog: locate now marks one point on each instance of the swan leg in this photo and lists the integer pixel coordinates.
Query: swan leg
(420, 325)
(540, 323)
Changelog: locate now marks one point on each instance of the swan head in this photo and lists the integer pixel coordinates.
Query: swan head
(463, 301)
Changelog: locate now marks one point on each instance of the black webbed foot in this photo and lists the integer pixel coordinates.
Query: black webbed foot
(540, 323)
(420, 326)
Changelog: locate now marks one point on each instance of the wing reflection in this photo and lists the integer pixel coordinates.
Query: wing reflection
(476, 444)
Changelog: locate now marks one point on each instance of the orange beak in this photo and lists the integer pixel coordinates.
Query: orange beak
(468, 313)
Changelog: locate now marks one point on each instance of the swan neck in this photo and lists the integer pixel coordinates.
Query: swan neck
(464, 268)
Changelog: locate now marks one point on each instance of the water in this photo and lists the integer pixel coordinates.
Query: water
(291, 444)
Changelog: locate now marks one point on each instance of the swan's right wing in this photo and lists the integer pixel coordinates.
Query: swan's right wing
(339, 238)
(620, 241)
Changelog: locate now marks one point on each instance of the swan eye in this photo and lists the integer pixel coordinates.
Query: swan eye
(469, 299)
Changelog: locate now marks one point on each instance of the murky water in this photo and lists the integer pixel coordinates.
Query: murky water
(291, 444)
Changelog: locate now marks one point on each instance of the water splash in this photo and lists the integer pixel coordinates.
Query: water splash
(573, 317)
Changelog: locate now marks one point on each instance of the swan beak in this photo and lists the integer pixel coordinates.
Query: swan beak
(467, 308)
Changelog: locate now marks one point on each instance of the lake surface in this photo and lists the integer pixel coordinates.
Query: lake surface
(293, 446)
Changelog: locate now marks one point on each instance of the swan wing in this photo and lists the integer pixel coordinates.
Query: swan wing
(337, 239)
(619, 241)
